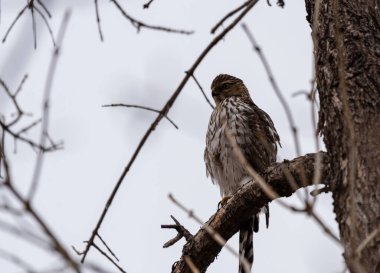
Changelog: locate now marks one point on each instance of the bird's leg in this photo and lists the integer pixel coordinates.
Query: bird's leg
(224, 201)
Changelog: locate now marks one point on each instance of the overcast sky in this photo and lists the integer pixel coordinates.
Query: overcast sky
(145, 68)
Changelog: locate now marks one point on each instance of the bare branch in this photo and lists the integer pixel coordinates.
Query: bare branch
(182, 232)
(20, 85)
(5, 255)
(14, 22)
(44, 8)
(13, 98)
(280, 3)
(56, 244)
(212, 232)
(46, 104)
(140, 107)
(33, 144)
(191, 265)
(275, 87)
(203, 92)
(98, 20)
(1, 151)
(246, 202)
(30, 126)
(108, 248)
(21, 234)
(311, 212)
(147, 4)
(367, 240)
(31, 7)
(162, 114)
(138, 24)
(228, 15)
(47, 25)
(267, 189)
(109, 258)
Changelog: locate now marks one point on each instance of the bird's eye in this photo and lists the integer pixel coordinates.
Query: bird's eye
(224, 86)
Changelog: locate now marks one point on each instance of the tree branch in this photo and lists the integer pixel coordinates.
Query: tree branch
(164, 111)
(182, 232)
(202, 249)
(139, 24)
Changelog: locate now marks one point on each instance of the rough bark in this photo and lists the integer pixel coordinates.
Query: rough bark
(347, 54)
(202, 249)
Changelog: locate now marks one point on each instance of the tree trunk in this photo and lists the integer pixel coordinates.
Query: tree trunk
(346, 38)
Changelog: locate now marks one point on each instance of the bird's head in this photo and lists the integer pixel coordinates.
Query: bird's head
(225, 86)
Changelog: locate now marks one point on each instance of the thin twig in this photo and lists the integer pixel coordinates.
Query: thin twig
(292, 183)
(203, 92)
(140, 107)
(311, 98)
(98, 20)
(20, 85)
(5, 255)
(58, 246)
(46, 104)
(313, 91)
(6, 207)
(228, 15)
(34, 28)
(244, 162)
(14, 101)
(267, 189)
(6, 178)
(182, 232)
(138, 24)
(31, 5)
(30, 126)
(191, 265)
(146, 5)
(44, 8)
(13, 98)
(367, 240)
(162, 114)
(1, 150)
(108, 248)
(214, 234)
(47, 25)
(14, 22)
(27, 236)
(5, 87)
(33, 144)
(275, 87)
(311, 212)
(281, 3)
(54, 242)
(109, 258)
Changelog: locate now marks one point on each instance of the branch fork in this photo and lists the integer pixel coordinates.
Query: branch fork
(182, 232)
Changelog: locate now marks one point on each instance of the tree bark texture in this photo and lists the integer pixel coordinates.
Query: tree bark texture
(346, 37)
(202, 249)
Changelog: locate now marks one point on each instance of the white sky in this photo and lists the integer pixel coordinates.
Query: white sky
(145, 68)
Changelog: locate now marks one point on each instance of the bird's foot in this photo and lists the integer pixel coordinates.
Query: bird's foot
(224, 201)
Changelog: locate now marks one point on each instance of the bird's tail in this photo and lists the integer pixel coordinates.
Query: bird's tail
(246, 246)
(246, 240)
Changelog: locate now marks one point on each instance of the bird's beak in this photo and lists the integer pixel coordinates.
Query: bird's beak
(213, 93)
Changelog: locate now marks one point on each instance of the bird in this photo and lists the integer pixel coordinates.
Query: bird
(236, 116)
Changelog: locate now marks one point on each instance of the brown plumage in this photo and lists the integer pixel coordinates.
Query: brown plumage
(254, 134)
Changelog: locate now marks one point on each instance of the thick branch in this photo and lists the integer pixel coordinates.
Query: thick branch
(202, 249)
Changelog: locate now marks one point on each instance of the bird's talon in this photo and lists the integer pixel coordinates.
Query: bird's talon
(223, 202)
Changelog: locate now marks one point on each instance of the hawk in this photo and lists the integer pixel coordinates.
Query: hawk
(255, 135)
